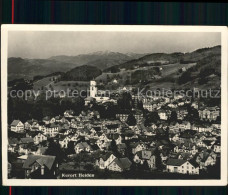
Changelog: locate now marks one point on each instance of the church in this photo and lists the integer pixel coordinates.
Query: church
(97, 95)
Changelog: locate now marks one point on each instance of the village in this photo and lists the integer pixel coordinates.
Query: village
(166, 136)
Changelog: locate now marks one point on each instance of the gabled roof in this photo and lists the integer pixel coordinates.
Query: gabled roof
(71, 112)
(12, 141)
(83, 145)
(97, 128)
(144, 154)
(121, 146)
(15, 122)
(46, 160)
(106, 156)
(47, 118)
(175, 162)
(33, 133)
(123, 163)
(185, 155)
(26, 140)
(42, 149)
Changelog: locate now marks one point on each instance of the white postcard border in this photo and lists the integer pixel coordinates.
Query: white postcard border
(108, 182)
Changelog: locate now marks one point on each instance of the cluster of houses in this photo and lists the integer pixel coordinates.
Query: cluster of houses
(175, 147)
(188, 148)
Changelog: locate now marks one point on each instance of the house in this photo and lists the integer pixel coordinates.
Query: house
(64, 140)
(105, 160)
(209, 113)
(181, 113)
(37, 136)
(51, 129)
(137, 147)
(40, 166)
(41, 150)
(149, 106)
(25, 145)
(28, 125)
(163, 114)
(216, 125)
(60, 119)
(184, 156)
(120, 164)
(185, 125)
(205, 159)
(69, 114)
(83, 146)
(122, 148)
(88, 100)
(217, 146)
(145, 155)
(112, 128)
(174, 127)
(195, 105)
(182, 166)
(17, 126)
(46, 120)
(12, 144)
(138, 116)
(123, 115)
(116, 137)
(174, 137)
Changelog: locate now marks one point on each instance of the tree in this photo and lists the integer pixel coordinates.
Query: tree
(185, 77)
(113, 148)
(125, 101)
(140, 105)
(145, 166)
(88, 167)
(131, 121)
(70, 148)
(193, 114)
(54, 149)
(158, 160)
(173, 116)
(151, 117)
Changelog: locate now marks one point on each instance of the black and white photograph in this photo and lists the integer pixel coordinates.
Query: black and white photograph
(114, 105)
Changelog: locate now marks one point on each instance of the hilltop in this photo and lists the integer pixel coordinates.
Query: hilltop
(82, 73)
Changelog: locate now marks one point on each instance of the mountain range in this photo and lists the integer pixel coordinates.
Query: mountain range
(105, 64)
(28, 68)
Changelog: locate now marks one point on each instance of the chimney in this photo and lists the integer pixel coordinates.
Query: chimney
(42, 170)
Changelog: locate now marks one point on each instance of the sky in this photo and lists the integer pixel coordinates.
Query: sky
(43, 44)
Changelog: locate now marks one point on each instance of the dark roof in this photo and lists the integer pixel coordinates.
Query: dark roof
(15, 122)
(106, 156)
(46, 118)
(13, 141)
(46, 160)
(122, 146)
(26, 140)
(113, 136)
(112, 126)
(97, 128)
(33, 133)
(123, 163)
(175, 162)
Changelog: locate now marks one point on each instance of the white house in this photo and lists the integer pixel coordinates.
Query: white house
(39, 138)
(181, 166)
(17, 126)
(162, 114)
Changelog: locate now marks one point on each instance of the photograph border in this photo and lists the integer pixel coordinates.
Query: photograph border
(113, 182)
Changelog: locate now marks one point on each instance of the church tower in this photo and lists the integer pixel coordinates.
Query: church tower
(93, 89)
